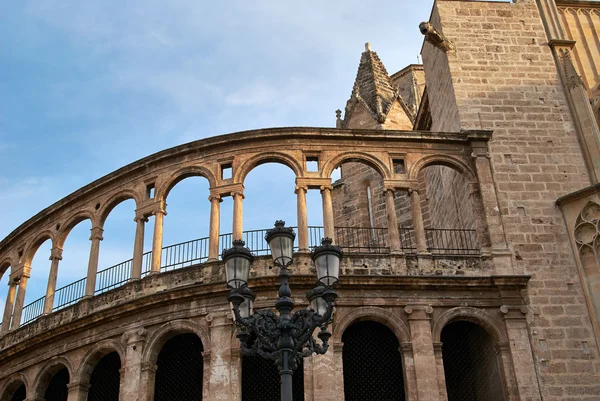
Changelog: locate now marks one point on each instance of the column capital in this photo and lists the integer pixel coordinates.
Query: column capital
(411, 190)
(437, 348)
(389, 189)
(97, 233)
(140, 217)
(237, 193)
(325, 188)
(134, 336)
(406, 348)
(78, 386)
(215, 198)
(473, 187)
(418, 312)
(149, 367)
(299, 188)
(217, 319)
(56, 253)
(513, 311)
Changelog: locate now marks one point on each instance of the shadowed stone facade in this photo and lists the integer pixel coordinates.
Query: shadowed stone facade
(469, 198)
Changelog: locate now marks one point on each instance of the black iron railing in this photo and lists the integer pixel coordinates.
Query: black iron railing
(362, 240)
(351, 239)
(452, 241)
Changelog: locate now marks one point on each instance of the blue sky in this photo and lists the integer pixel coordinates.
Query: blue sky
(88, 87)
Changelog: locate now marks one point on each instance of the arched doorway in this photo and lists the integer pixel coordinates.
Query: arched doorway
(261, 382)
(16, 391)
(180, 370)
(372, 363)
(470, 363)
(106, 379)
(57, 389)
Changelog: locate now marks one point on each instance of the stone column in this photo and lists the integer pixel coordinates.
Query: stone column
(441, 375)
(417, 218)
(480, 225)
(501, 254)
(214, 229)
(78, 391)
(16, 320)
(302, 219)
(419, 319)
(147, 380)
(408, 363)
(8, 306)
(131, 366)
(157, 240)
(336, 348)
(236, 373)
(328, 226)
(522, 357)
(238, 215)
(138, 247)
(90, 283)
(392, 222)
(219, 374)
(322, 368)
(55, 257)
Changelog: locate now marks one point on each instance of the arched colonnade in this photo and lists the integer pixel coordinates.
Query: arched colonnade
(149, 181)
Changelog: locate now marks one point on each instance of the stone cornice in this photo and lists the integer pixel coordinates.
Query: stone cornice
(582, 193)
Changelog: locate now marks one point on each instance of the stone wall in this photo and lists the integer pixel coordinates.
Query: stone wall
(503, 77)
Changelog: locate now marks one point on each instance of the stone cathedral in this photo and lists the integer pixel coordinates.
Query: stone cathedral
(468, 210)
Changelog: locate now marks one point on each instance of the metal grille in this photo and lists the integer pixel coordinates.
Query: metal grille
(57, 388)
(105, 379)
(260, 380)
(470, 364)
(372, 363)
(362, 239)
(19, 394)
(452, 241)
(180, 369)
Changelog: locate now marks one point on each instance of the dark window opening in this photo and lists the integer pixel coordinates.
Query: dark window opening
(180, 369)
(57, 389)
(260, 380)
(19, 394)
(106, 379)
(372, 363)
(470, 363)
(399, 166)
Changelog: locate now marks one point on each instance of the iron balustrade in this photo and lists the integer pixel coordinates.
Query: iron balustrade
(452, 241)
(440, 241)
(184, 254)
(113, 277)
(69, 294)
(362, 239)
(33, 310)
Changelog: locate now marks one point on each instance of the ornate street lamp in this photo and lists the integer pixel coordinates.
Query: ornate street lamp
(286, 338)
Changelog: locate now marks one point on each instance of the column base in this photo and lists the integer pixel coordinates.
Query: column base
(210, 260)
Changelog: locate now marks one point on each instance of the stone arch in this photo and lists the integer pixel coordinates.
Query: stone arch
(115, 200)
(94, 355)
(169, 330)
(474, 315)
(379, 165)
(35, 244)
(71, 223)
(192, 171)
(244, 169)
(442, 160)
(375, 314)
(5, 264)
(12, 384)
(48, 370)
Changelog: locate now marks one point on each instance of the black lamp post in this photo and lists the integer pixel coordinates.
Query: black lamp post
(286, 338)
